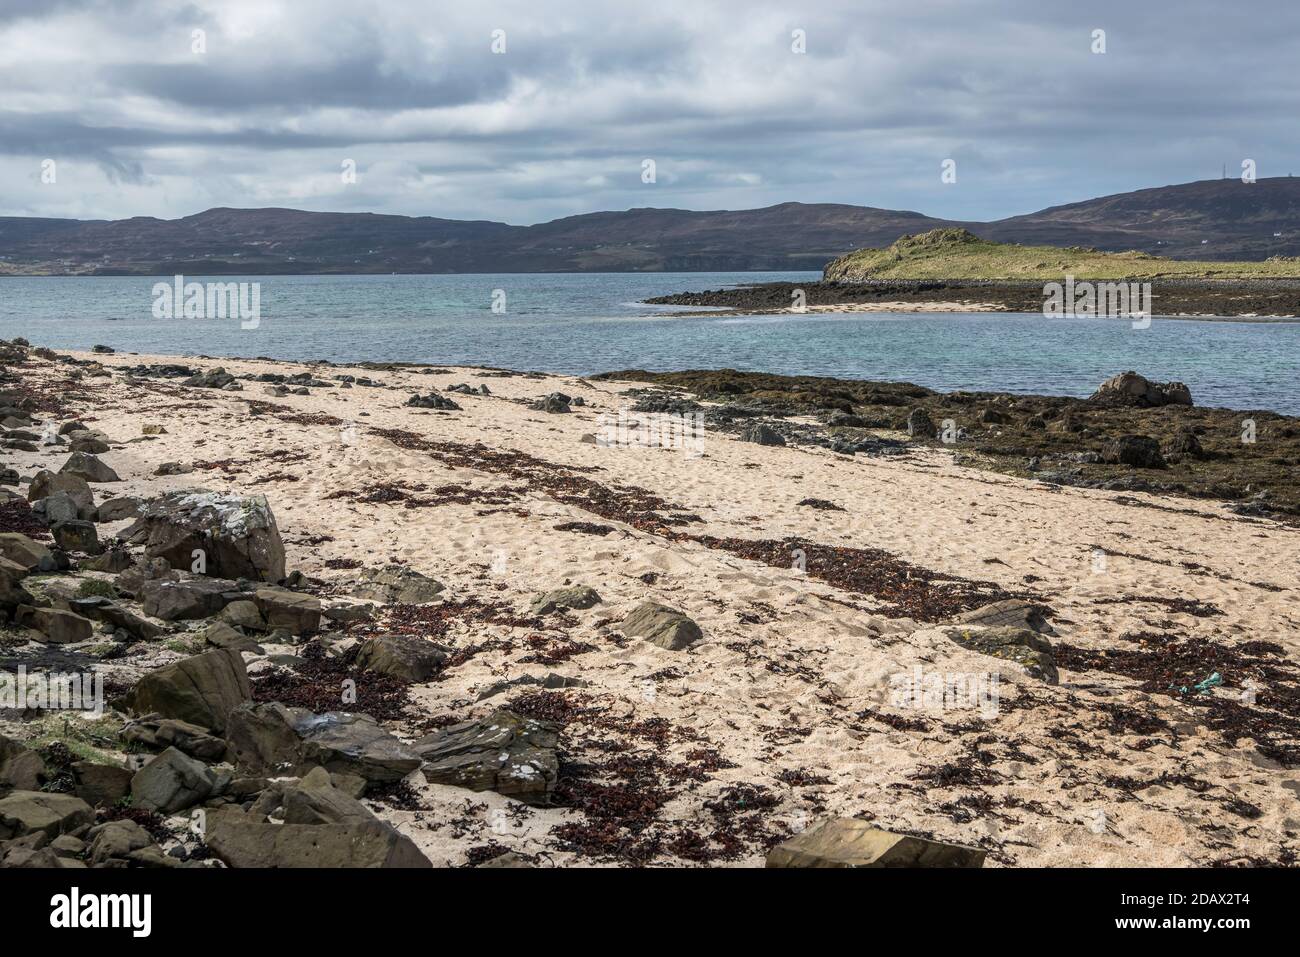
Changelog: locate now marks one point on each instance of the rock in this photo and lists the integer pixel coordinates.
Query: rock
(848, 842)
(157, 733)
(133, 580)
(116, 509)
(433, 401)
(187, 599)
(46, 483)
(174, 781)
(552, 682)
(576, 597)
(217, 378)
(12, 592)
(173, 468)
(87, 466)
(296, 613)
(89, 443)
(919, 424)
(555, 403)
(508, 859)
(270, 738)
(410, 659)
(1129, 388)
(660, 625)
(1022, 645)
(58, 626)
(1185, 442)
(21, 550)
(58, 507)
(1011, 613)
(761, 434)
(315, 800)
(236, 534)
(244, 614)
(203, 690)
(25, 812)
(396, 585)
(77, 536)
(116, 840)
(240, 840)
(20, 768)
(101, 785)
(103, 350)
(1140, 451)
(503, 752)
(221, 635)
(103, 609)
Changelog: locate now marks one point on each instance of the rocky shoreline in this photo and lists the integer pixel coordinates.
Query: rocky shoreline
(1254, 299)
(400, 616)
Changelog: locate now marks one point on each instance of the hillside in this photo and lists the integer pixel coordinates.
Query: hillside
(954, 254)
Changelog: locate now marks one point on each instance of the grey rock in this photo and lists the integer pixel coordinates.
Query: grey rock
(296, 613)
(77, 536)
(45, 483)
(21, 550)
(761, 434)
(174, 781)
(660, 625)
(157, 733)
(236, 534)
(407, 658)
(187, 598)
(101, 785)
(504, 752)
(87, 466)
(25, 812)
(241, 840)
(202, 690)
(396, 585)
(575, 597)
(1024, 646)
(58, 626)
(919, 424)
(848, 842)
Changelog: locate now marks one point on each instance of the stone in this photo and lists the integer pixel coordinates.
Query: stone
(202, 690)
(433, 401)
(508, 859)
(396, 585)
(761, 434)
(552, 682)
(504, 752)
(174, 781)
(87, 466)
(157, 733)
(236, 534)
(106, 610)
(315, 800)
(919, 424)
(101, 785)
(555, 403)
(221, 635)
(296, 613)
(58, 507)
(89, 443)
(1185, 442)
(25, 812)
(188, 598)
(116, 840)
(77, 536)
(244, 614)
(12, 592)
(173, 468)
(45, 483)
(660, 625)
(1024, 646)
(848, 842)
(240, 840)
(116, 509)
(21, 550)
(273, 739)
(1140, 451)
(1010, 613)
(58, 626)
(578, 597)
(216, 378)
(1129, 388)
(20, 768)
(410, 659)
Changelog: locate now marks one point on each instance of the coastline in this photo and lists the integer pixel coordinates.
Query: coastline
(784, 711)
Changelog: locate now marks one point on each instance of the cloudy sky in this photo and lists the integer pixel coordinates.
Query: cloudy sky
(281, 94)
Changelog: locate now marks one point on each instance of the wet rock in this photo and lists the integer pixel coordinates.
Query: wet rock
(1022, 645)
(396, 585)
(101, 785)
(919, 424)
(848, 842)
(235, 534)
(575, 597)
(87, 466)
(660, 625)
(174, 781)
(1140, 451)
(296, 613)
(760, 434)
(240, 840)
(202, 690)
(503, 752)
(410, 659)
(58, 627)
(25, 812)
(273, 739)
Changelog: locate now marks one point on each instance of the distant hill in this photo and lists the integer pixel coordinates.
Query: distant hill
(954, 253)
(1216, 219)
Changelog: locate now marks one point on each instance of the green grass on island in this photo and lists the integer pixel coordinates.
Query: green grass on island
(959, 254)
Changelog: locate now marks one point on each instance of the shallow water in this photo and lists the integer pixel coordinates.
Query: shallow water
(583, 324)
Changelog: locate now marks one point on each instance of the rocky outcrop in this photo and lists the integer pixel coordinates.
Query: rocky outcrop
(241, 840)
(503, 752)
(848, 842)
(1129, 388)
(235, 535)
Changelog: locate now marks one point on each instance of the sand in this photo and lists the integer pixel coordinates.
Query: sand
(792, 675)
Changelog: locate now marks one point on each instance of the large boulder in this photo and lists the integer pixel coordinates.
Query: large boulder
(241, 840)
(848, 842)
(57, 626)
(21, 550)
(1129, 388)
(1140, 451)
(77, 536)
(101, 785)
(25, 812)
(46, 483)
(202, 690)
(235, 534)
(273, 739)
(281, 608)
(660, 625)
(187, 598)
(503, 752)
(173, 781)
(410, 659)
(89, 467)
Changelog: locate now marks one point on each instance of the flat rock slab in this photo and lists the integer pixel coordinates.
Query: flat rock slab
(396, 585)
(25, 812)
(1024, 646)
(174, 781)
(187, 599)
(847, 842)
(504, 752)
(242, 841)
(1010, 613)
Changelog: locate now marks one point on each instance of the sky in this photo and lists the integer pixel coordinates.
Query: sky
(526, 112)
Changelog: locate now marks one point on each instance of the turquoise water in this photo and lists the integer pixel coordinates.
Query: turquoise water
(584, 324)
